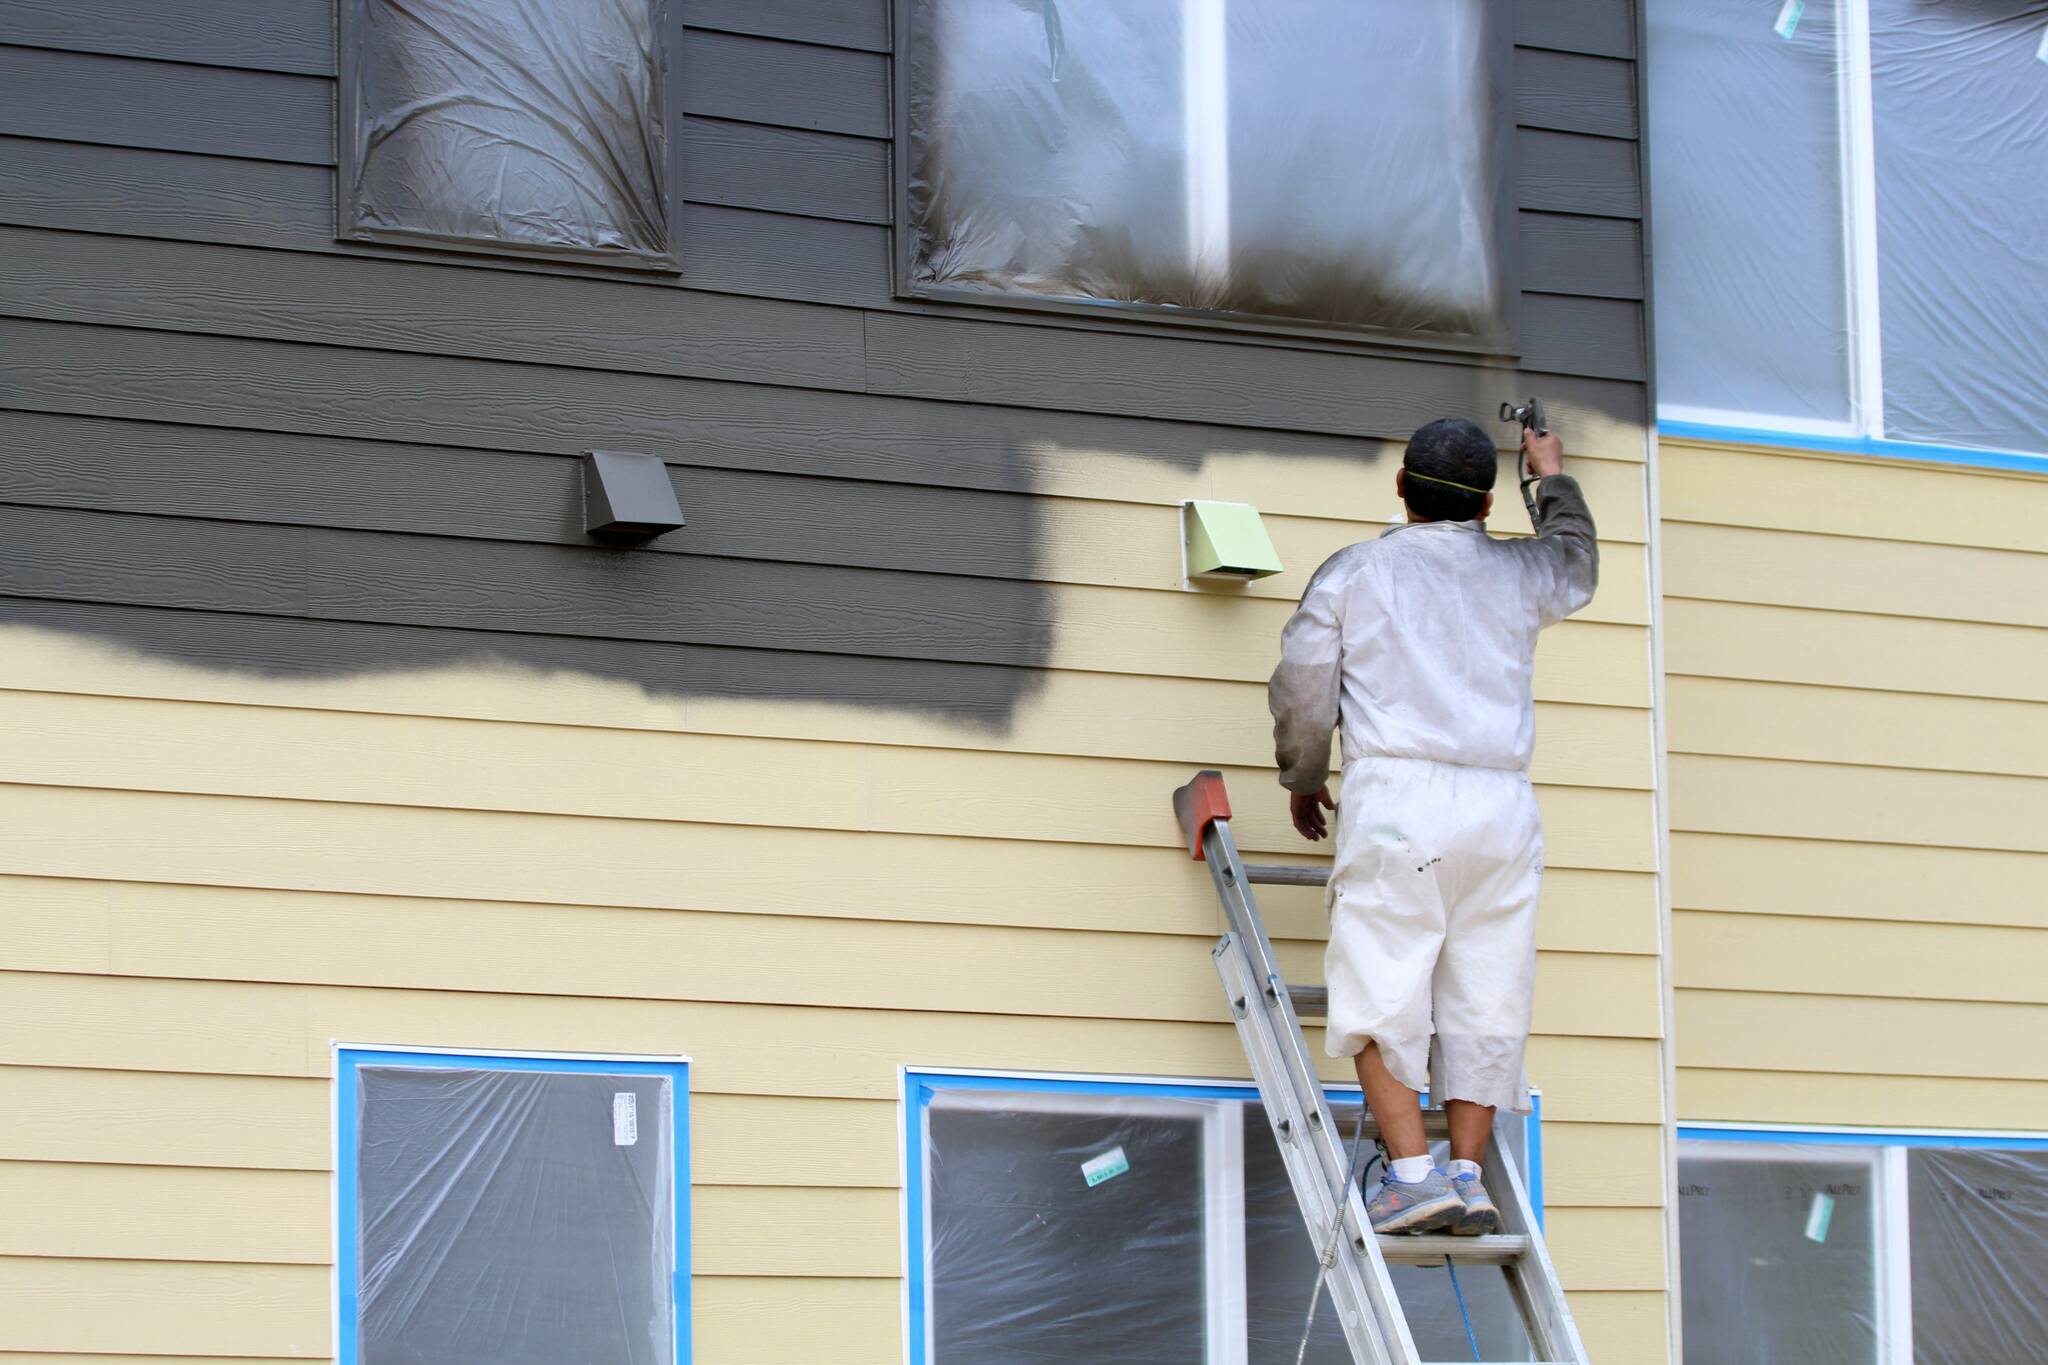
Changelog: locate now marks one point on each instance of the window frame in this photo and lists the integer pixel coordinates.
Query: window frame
(349, 1058)
(1506, 344)
(1864, 432)
(1070, 1092)
(1887, 1150)
(668, 108)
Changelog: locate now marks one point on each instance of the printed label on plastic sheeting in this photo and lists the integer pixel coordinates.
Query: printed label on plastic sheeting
(1818, 1216)
(1788, 18)
(625, 1119)
(1108, 1166)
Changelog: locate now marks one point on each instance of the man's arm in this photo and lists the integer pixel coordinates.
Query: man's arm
(1303, 699)
(1568, 547)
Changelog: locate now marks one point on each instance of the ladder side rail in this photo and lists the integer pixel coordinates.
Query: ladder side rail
(1363, 1312)
(1544, 1307)
(1242, 911)
(1270, 999)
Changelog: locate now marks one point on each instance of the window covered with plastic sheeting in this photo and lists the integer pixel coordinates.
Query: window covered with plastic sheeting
(1979, 1222)
(1849, 223)
(518, 1211)
(1325, 163)
(1135, 1222)
(1778, 1254)
(1850, 1248)
(1751, 261)
(1960, 93)
(509, 125)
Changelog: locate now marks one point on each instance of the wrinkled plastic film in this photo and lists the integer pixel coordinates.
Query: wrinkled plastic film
(1751, 260)
(519, 1217)
(520, 124)
(1335, 162)
(1778, 1254)
(1029, 1260)
(1961, 109)
(1979, 1226)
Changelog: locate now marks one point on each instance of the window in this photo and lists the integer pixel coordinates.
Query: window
(1328, 163)
(521, 1210)
(527, 126)
(1151, 1219)
(1846, 1248)
(1848, 222)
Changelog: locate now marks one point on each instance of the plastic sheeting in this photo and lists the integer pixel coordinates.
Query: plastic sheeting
(1961, 103)
(1979, 1223)
(518, 124)
(1777, 1254)
(1098, 1228)
(1323, 161)
(1751, 260)
(514, 1217)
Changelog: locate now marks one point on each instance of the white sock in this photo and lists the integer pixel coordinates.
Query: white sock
(1411, 1170)
(1459, 1168)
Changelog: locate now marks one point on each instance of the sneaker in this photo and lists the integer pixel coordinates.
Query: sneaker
(1480, 1218)
(1428, 1205)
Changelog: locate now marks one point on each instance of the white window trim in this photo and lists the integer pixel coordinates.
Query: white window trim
(1859, 211)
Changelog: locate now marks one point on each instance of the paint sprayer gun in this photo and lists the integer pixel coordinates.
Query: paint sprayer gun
(1530, 415)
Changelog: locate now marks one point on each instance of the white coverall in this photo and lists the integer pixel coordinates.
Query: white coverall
(1423, 643)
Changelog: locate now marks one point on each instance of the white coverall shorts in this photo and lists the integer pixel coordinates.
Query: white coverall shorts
(1433, 925)
(1421, 645)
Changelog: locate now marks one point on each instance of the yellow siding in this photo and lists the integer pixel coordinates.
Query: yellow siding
(208, 877)
(1858, 666)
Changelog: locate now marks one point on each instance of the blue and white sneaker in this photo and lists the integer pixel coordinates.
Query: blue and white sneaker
(1428, 1205)
(1479, 1217)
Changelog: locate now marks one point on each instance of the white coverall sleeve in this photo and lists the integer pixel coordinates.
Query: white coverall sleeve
(1566, 551)
(1303, 692)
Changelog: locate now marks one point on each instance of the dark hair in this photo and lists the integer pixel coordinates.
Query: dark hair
(1457, 452)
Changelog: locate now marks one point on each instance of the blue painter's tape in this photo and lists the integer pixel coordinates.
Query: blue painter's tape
(347, 1255)
(1856, 445)
(1703, 1133)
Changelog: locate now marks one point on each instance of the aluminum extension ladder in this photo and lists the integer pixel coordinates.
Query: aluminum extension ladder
(1268, 1013)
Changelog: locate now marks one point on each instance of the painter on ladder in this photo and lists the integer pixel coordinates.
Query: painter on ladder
(1421, 644)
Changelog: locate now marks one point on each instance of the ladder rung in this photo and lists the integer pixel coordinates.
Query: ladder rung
(1286, 874)
(1310, 1002)
(1430, 1249)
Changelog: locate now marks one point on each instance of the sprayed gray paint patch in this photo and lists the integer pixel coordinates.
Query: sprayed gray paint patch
(213, 460)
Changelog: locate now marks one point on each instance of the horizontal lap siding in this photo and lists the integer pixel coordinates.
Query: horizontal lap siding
(324, 722)
(1859, 758)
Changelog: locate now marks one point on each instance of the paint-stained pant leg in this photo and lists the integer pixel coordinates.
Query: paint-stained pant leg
(1387, 920)
(1432, 925)
(1485, 981)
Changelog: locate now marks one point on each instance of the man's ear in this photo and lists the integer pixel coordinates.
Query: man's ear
(1401, 484)
(1484, 508)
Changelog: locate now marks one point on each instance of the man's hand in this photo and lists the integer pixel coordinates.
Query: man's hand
(1544, 452)
(1308, 813)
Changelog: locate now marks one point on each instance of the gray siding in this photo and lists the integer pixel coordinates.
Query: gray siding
(236, 440)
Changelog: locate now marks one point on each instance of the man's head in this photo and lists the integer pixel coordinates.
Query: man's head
(1448, 472)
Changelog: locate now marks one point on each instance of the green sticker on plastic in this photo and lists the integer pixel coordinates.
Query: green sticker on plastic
(1818, 1216)
(1788, 18)
(1108, 1166)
